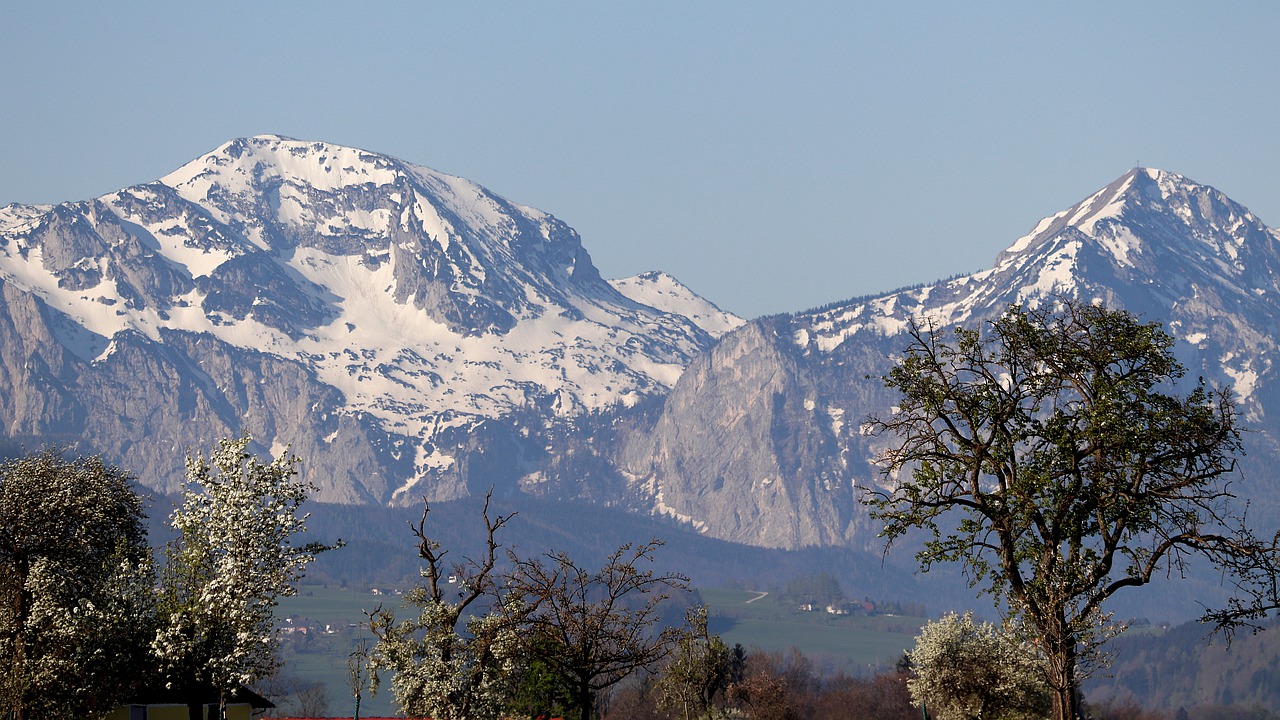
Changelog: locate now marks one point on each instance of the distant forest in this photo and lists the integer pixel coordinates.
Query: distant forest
(1185, 668)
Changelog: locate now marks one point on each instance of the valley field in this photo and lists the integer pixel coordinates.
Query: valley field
(853, 644)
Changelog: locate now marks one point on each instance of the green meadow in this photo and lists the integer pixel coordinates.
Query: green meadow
(850, 643)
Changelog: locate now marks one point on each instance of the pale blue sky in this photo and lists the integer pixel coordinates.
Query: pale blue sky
(773, 156)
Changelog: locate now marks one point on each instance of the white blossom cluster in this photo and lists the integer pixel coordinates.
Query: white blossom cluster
(233, 558)
(75, 585)
(445, 674)
(964, 670)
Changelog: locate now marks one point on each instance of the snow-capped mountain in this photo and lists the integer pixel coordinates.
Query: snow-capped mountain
(659, 290)
(410, 333)
(759, 442)
(368, 311)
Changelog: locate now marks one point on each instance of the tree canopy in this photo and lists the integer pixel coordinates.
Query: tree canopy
(75, 585)
(1051, 454)
(234, 556)
(439, 671)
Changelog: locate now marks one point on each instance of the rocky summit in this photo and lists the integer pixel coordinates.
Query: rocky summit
(408, 334)
(374, 315)
(760, 442)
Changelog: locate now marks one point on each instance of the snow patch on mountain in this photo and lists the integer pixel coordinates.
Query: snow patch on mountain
(759, 439)
(416, 294)
(663, 292)
(1175, 248)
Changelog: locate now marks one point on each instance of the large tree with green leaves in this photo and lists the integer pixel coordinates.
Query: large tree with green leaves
(235, 554)
(1050, 453)
(75, 586)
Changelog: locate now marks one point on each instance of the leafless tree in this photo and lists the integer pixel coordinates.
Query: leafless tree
(603, 624)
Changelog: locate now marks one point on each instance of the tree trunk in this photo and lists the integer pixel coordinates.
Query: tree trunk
(18, 677)
(18, 642)
(1061, 649)
(584, 700)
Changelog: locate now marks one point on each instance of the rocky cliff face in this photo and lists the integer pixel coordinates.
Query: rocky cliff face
(409, 333)
(747, 447)
(759, 442)
(386, 320)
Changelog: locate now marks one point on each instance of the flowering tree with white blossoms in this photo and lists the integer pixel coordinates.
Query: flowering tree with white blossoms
(233, 557)
(966, 670)
(75, 586)
(440, 672)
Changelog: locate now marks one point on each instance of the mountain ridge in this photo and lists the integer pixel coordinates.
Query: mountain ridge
(428, 304)
(1152, 242)
(411, 334)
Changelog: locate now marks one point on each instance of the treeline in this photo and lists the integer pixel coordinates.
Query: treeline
(777, 686)
(823, 592)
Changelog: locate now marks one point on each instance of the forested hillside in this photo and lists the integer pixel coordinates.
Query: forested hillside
(1183, 667)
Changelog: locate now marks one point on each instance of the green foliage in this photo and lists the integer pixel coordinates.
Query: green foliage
(698, 670)
(539, 689)
(75, 586)
(1072, 469)
(965, 670)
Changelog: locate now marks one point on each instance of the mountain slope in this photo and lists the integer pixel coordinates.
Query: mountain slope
(777, 452)
(410, 333)
(370, 312)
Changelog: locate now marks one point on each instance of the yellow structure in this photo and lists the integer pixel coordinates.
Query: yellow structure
(170, 711)
(168, 704)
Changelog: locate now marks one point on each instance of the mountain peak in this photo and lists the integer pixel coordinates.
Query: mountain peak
(1148, 240)
(241, 164)
(663, 292)
(414, 301)
(477, 261)
(1147, 211)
